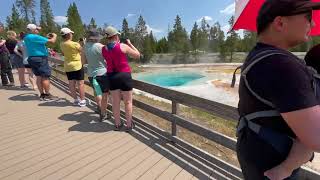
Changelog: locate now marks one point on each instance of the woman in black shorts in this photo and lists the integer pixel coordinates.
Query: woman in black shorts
(119, 74)
(73, 66)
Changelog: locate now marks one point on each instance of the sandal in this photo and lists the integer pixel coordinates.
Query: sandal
(133, 125)
(118, 127)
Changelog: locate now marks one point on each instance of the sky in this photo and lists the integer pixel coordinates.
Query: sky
(158, 14)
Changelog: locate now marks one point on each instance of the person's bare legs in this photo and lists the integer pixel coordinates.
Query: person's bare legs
(127, 99)
(46, 84)
(116, 98)
(81, 89)
(39, 84)
(72, 88)
(31, 78)
(22, 79)
(104, 103)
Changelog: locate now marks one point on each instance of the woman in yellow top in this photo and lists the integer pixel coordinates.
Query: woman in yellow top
(73, 66)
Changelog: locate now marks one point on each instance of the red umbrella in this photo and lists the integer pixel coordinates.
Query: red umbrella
(247, 12)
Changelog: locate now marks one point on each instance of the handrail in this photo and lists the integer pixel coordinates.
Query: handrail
(221, 110)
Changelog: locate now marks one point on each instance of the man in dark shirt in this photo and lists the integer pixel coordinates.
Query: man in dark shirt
(279, 82)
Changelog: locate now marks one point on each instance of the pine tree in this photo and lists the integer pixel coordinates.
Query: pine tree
(147, 50)
(125, 32)
(46, 19)
(92, 24)
(178, 38)
(140, 33)
(75, 22)
(153, 42)
(232, 40)
(162, 46)
(14, 21)
(27, 10)
(248, 41)
(194, 37)
(204, 35)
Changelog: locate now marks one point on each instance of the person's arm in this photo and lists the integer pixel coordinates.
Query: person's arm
(305, 124)
(130, 50)
(83, 57)
(299, 155)
(53, 39)
(16, 50)
(2, 42)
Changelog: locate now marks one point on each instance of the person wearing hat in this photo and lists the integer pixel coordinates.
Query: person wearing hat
(279, 112)
(73, 66)
(15, 60)
(38, 59)
(119, 74)
(97, 70)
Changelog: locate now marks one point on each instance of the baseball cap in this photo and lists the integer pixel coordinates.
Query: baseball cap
(65, 31)
(93, 34)
(33, 27)
(111, 31)
(273, 8)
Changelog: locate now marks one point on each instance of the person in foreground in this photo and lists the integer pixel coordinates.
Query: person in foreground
(38, 59)
(279, 112)
(119, 74)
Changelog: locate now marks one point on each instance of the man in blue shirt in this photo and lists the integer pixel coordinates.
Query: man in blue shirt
(38, 58)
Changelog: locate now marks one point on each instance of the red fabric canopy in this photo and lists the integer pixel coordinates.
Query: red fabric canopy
(247, 12)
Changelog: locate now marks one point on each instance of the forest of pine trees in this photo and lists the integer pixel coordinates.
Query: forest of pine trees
(203, 38)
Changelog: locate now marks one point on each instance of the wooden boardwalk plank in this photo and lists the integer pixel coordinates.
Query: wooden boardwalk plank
(92, 166)
(56, 140)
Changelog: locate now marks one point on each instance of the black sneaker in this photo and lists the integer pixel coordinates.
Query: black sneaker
(42, 96)
(103, 117)
(49, 97)
(98, 111)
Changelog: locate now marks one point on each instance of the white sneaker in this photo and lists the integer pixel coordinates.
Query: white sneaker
(82, 103)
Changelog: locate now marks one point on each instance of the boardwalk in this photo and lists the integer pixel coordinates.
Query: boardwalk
(55, 140)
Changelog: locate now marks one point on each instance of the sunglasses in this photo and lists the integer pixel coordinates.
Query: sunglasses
(308, 16)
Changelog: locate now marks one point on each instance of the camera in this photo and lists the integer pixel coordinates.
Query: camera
(123, 40)
(50, 35)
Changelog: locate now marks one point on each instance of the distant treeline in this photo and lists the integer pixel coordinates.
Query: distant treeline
(203, 38)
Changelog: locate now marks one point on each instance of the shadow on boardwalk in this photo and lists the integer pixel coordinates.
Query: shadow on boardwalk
(87, 122)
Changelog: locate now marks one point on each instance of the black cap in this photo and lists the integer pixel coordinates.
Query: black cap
(94, 34)
(273, 8)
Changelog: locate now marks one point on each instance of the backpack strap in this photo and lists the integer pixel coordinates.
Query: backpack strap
(258, 58)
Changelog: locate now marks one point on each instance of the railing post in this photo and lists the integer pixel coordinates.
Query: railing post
(175, 110)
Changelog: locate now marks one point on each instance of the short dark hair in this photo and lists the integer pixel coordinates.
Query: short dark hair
(66, 36)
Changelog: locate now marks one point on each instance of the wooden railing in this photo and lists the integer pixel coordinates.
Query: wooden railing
(215, 108)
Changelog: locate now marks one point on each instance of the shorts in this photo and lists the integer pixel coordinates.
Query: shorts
(16, 61)
(40, 66)
(76, 75)
(120, 81)
(103, 82)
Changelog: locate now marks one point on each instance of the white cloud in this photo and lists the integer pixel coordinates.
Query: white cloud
(229, 9)
(131, 15)
(154, 30)
(60, 19)
(207, 18)
(226, 29)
